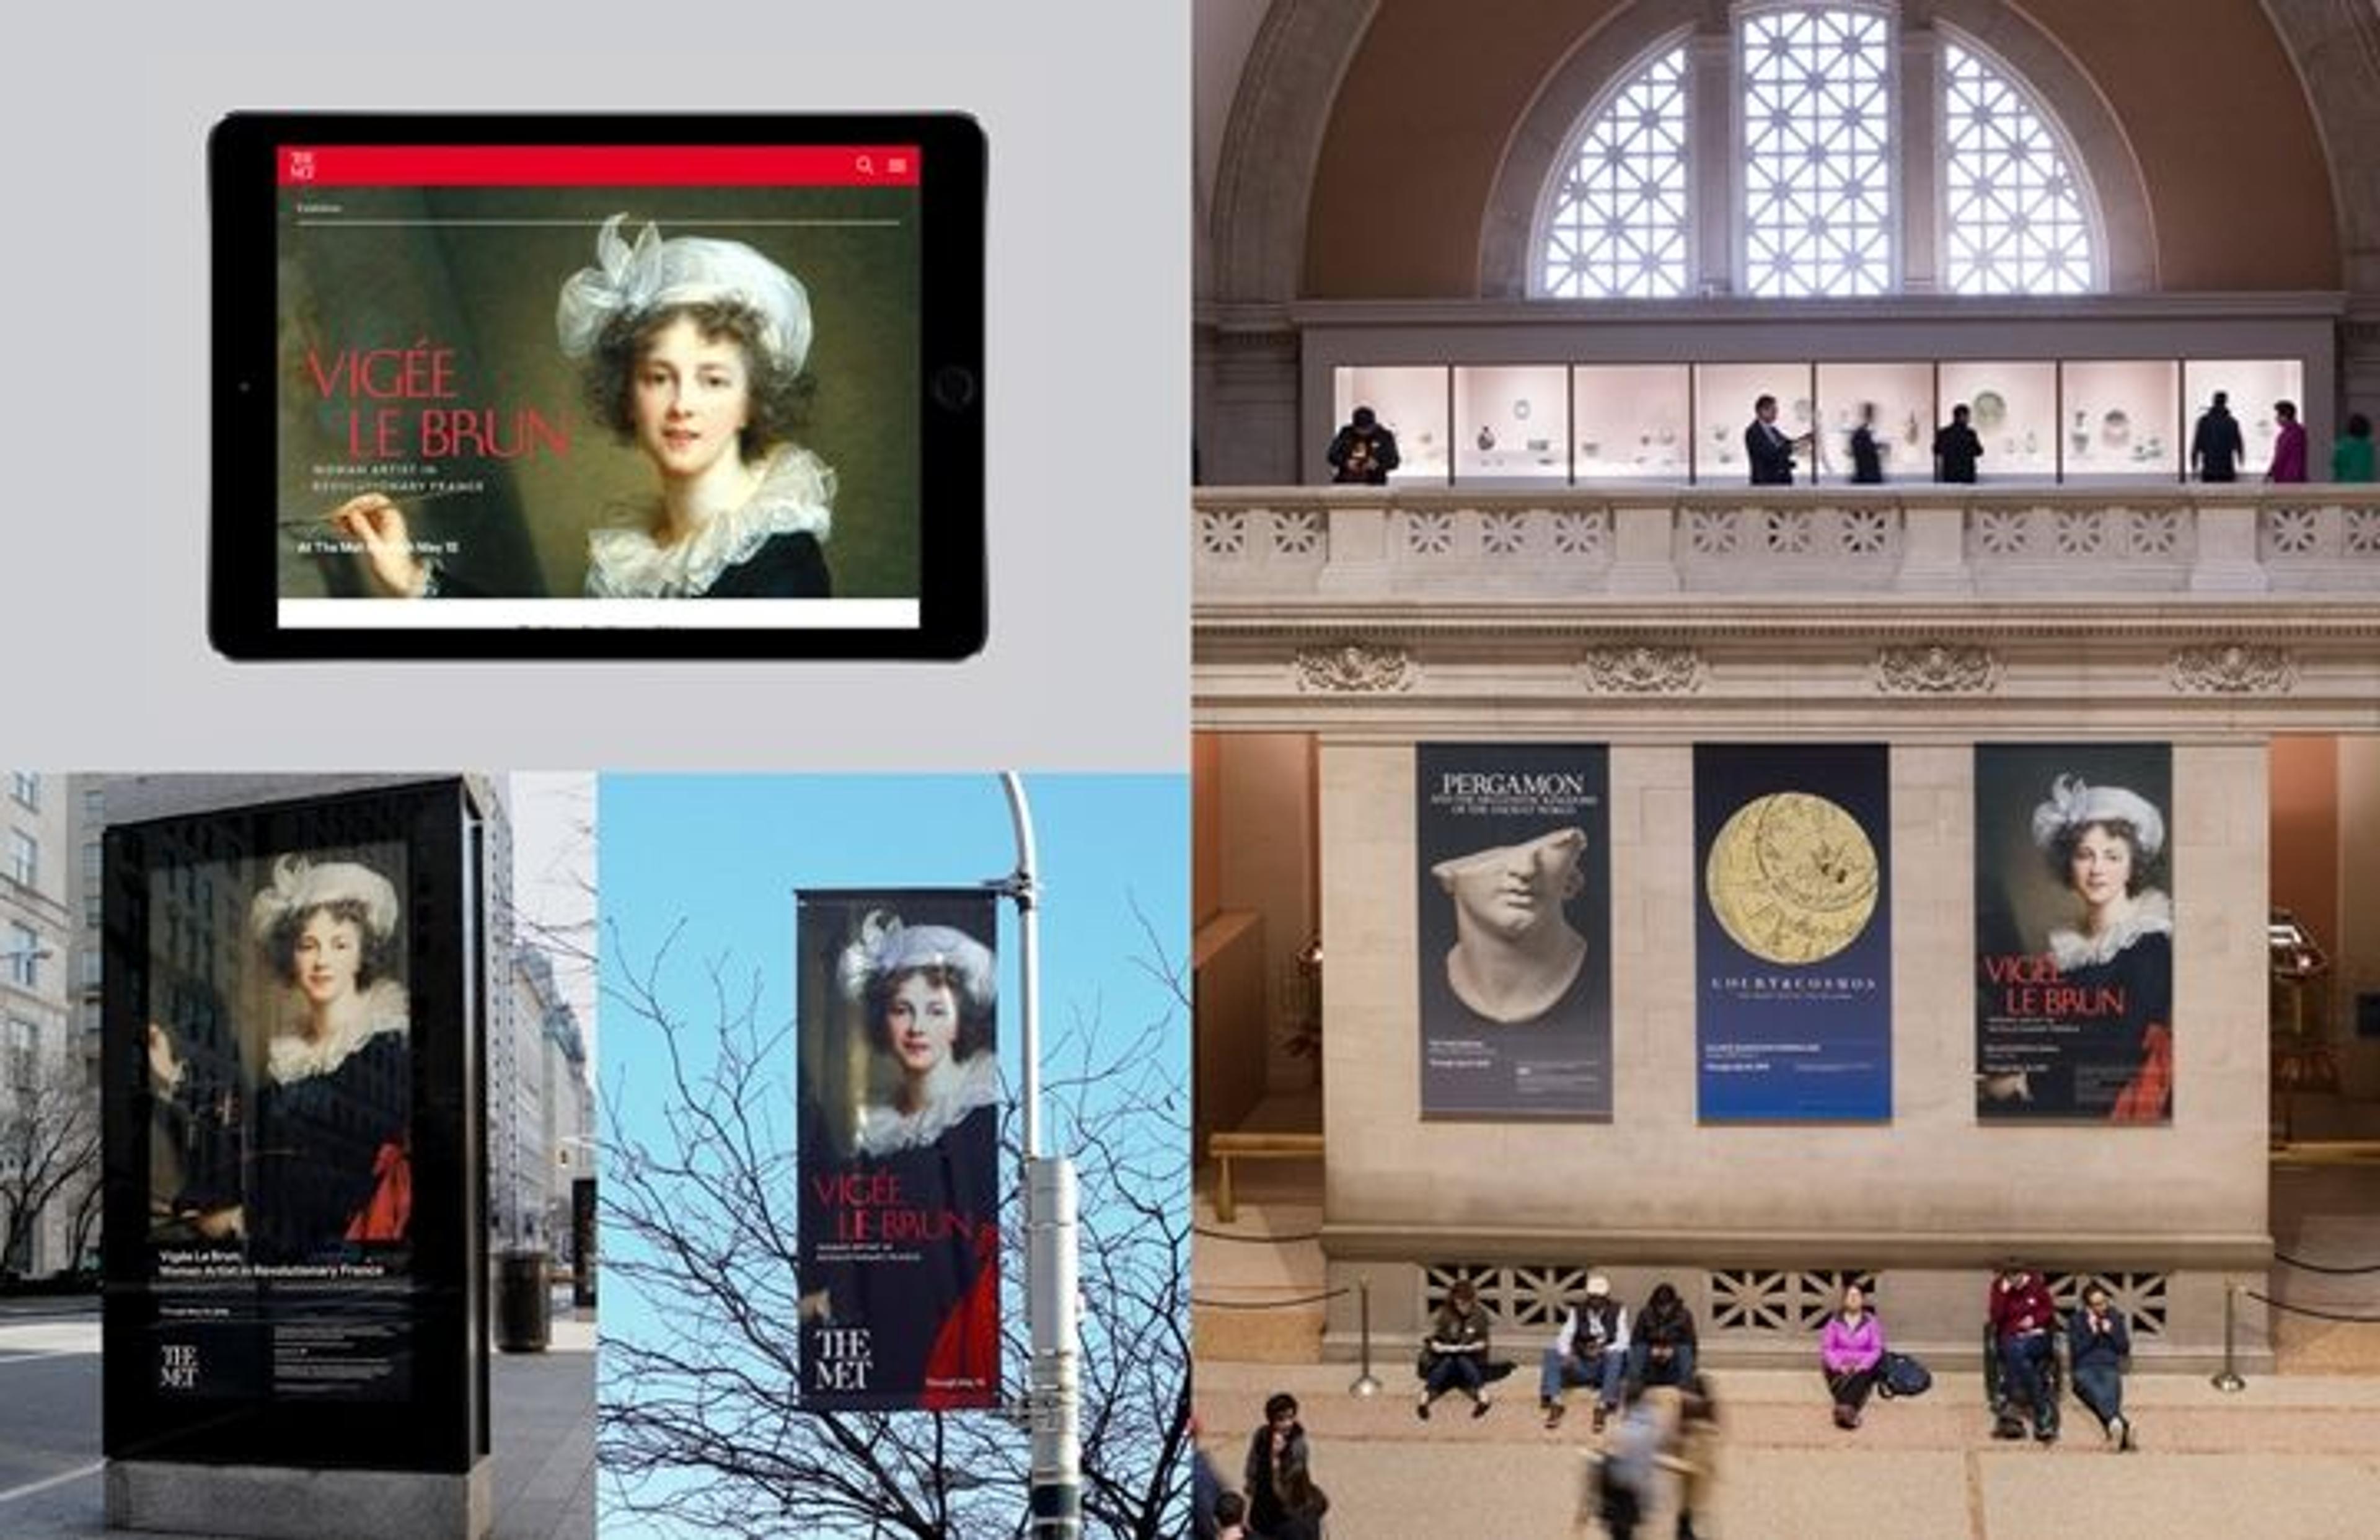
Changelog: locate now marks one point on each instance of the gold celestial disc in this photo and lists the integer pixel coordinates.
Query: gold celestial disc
(1792, 877)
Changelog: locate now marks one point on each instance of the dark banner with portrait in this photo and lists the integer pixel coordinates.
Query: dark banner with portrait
(900, 1150)
(1793, 932)
(1515, 928)
(291, 1205)
(2073, 933)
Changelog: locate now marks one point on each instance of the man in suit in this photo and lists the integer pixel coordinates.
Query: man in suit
(1768, 447)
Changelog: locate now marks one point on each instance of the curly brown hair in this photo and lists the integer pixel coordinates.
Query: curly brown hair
(375, 953)
(779, 397)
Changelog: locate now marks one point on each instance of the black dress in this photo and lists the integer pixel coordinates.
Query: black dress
(315, 1153)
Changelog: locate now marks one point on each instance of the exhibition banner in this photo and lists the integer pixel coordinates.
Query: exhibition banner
(293, 1132)
(2073, 933)
(900, 1149)
(1515, 928)
(1793, 932)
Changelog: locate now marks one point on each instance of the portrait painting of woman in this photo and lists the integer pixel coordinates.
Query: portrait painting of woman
(2078, 1023)
(926, 992)
(321, 1162)
(692, 351)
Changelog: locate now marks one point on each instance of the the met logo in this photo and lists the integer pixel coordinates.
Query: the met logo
(841, 1358)
(177, 1367)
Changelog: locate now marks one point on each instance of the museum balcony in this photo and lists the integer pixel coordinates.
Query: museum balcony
(2146, 601)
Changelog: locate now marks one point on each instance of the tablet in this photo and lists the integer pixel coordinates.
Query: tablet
(563, 386)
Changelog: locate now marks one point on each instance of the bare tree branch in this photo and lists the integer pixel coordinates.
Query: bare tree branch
(49, 1139)
(700, 1423)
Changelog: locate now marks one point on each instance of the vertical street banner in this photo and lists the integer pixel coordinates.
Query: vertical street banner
(1793, 932)
(1514, 929)
(2073, 933)
(293, 1130)
(901, 1099)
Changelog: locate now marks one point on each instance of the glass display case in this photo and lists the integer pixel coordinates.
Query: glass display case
(1512, 424)
(2253, 385)
(1410, 401)
(1723, 398)
(1630, 422)
(2120, 418)
(2013, 408)
(1903, 396)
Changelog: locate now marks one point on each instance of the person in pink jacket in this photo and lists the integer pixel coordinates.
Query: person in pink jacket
(1851, 1350)
(2289, 446)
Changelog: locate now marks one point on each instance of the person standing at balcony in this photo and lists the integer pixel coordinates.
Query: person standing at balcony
(1768, 447)
(1956, 448)
(2215, 444)
(1867, 455)
(2350, 458)
(2289, 446)
(1363, 450)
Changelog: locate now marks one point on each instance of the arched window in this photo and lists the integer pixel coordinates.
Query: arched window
(2014, 211)
(1810, 154)
(1616, 227)
(1815, 104)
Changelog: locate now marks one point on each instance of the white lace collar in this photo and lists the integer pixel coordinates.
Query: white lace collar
(795, 497)
(886, 1130)
(2152, 915)
(294, 1055)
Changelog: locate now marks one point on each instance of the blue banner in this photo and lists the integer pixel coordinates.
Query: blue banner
(1793, 932)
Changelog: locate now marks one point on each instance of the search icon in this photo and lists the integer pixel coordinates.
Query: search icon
(867, 165)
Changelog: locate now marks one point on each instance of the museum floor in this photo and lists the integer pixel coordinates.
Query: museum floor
(2296, 1454)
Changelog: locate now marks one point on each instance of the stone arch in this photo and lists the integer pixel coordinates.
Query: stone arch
(1264, 178)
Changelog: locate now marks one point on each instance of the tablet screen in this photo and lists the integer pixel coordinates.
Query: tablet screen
(652, 385)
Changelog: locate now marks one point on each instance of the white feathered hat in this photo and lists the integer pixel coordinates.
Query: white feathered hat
(2073, 803)
(682, 270)
(300, 885)
(886, 947)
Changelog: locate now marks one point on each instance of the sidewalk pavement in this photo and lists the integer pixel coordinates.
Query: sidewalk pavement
(2291, 1459)
(543, 1410)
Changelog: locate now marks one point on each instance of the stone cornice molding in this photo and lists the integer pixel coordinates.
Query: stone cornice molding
(1406, 1243)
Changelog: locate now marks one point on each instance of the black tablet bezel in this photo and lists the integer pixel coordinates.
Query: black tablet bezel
(242, 591)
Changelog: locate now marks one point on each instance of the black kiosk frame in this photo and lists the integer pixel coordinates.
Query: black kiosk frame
(358, 1355)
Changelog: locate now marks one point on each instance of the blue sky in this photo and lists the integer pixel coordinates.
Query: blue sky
(722, 855)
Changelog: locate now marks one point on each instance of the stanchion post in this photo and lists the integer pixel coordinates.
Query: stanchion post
(1365, 1384)
(2229, 1378)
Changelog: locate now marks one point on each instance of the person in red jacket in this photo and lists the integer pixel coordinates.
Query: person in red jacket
(2022, 1317)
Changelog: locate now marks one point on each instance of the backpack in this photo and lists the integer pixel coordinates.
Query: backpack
(1901, 1374)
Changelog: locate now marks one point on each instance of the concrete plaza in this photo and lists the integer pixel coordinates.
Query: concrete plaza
(543, 1417)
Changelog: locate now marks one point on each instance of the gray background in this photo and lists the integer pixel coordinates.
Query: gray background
(103, 560)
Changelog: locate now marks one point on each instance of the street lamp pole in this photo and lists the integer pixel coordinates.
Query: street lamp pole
(1053, 1396)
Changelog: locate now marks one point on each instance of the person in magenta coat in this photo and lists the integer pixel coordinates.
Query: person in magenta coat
(2289, 446)
(1851, 1351)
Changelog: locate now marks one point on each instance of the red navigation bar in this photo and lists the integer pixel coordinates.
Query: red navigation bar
(595, 165)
